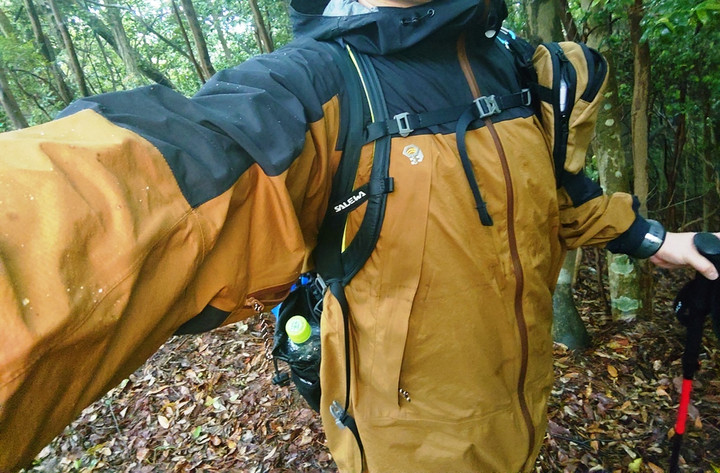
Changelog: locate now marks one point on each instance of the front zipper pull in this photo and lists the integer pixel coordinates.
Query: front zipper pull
(255, 304)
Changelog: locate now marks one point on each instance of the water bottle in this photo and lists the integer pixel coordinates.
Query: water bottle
(303, 339)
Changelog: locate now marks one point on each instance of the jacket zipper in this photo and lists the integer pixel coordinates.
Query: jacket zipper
(564, 89)
(515, 255)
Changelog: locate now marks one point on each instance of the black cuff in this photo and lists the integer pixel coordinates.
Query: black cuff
(642, 240)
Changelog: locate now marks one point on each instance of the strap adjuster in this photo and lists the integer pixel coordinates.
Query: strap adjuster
(403, 124)
(487, 106)
(338, 413)
(526, 97)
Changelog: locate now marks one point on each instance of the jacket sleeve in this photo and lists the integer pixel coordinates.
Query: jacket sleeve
(122, 220)
(590, 217)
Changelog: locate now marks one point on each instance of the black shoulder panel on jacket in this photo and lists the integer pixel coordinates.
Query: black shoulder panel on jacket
(257, 112)
(438, 80)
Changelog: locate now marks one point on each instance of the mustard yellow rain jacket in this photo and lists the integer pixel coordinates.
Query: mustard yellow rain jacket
(141, 212)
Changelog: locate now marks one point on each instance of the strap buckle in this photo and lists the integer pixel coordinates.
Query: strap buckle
(318, 288)
(487, 106)
(403, 124)
(338, 413)
(526, 97)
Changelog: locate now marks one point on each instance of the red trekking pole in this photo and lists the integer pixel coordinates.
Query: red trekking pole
(695, 301)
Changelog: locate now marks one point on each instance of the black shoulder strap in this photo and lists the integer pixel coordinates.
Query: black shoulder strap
(334, 260)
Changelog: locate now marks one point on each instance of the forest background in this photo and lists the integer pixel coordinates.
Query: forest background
(656, 137)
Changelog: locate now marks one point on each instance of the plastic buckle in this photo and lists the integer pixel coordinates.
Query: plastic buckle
(338, 414)
(318, 288)
(487, 106)
(526, 97)
(403, 124)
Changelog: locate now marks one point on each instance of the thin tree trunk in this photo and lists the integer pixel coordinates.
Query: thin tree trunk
(568, 327)
(70, 47)
(543, 21)
(142, 66)
(571, 32)
(122, 45)
(6, 27)
(640, 127)
(178, 18)
(614, 170)
(265, 42)
(160, 36)
(9, 104)
(111, 69)
(47, 52)
(32, 97)
(202, 50)
(223, 41)
(710, 193)
(672, 164)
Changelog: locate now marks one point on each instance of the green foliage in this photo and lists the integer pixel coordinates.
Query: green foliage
(153, 33)
(683, 36)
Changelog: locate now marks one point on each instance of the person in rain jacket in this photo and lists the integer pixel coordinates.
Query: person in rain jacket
(138, 212)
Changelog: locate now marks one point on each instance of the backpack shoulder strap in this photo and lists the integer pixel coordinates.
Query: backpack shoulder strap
(566, 79)
(571, 78)
(334, 259)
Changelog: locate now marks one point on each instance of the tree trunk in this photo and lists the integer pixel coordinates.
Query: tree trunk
(223, 41)
(193, 61)
(6, 27)
(614, 170)
(568, 22)
(265, 42)
(207, 68)
(62, 90)
(110, 35)
(568, 327)
(70, 48)
(710, 193)
(9, 104)
(640, 127)
(123, 47)
(543, 21)
(672, 162)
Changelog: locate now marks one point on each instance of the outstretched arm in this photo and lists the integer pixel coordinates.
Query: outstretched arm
(138, 210)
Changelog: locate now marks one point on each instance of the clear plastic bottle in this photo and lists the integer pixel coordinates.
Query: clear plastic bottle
(303, 339)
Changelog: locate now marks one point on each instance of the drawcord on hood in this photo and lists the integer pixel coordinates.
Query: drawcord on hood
(416, 20)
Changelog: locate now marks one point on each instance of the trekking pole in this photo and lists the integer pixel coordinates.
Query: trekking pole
(693, 304)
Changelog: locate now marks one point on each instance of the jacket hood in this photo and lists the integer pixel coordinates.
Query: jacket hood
(391, 29)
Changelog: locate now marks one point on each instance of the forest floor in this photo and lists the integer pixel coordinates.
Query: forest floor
(205, 403)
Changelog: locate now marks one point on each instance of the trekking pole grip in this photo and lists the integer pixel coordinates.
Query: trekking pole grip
(708, 245)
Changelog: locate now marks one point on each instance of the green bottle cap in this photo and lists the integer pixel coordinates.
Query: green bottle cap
(298, 329)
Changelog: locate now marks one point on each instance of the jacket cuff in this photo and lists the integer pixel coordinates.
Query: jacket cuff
(642, 240)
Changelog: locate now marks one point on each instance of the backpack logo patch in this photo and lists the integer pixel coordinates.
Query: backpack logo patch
(414, 153)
